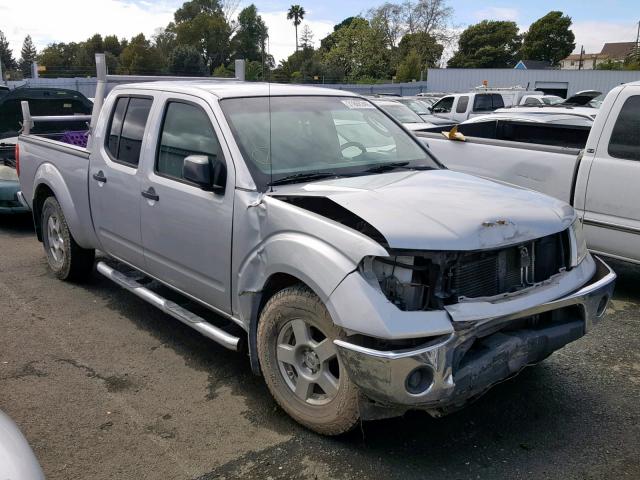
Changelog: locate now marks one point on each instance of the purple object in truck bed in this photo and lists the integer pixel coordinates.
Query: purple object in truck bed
(79, 139)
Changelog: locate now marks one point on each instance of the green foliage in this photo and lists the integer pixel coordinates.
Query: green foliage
(427, 48)
(296, 13)
(609, 65)
(186, 60)
(140, 57)
(549, 38)
(6, 54)
(251, 35)
(201, 24)
(488, 44)
(359, 51)
(28, 55)
(410, 69)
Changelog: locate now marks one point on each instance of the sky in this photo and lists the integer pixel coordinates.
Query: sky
(47, 21)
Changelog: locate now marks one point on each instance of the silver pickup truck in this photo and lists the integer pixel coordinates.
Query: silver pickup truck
(600, 179)
(364, 278)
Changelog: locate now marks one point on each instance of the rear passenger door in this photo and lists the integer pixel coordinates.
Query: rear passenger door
(462, 105)
(612, 203)
(114, 183)
(186, 231)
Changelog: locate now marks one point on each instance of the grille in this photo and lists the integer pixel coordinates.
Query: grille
(486, 274)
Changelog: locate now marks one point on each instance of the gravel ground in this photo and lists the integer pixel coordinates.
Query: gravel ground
(105, 386)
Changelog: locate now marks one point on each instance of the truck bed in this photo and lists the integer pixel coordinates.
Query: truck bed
(547, 169)
(64, 168)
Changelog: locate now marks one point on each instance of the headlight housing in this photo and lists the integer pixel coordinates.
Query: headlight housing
(405, 280)
(578, 243)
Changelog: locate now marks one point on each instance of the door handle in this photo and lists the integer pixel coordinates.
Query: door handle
(150, 194)
(100, 177)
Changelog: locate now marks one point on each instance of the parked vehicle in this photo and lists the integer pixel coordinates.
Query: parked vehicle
(9, 186)
(17, 460)
(419, 105)
(458, 107)
(601, 181)
(3, 90)
(363, 278)
(43, 102)
(403, 114)
(585, 98)
(533, 100)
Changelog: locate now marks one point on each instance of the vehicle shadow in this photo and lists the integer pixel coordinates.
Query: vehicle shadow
(20, 225)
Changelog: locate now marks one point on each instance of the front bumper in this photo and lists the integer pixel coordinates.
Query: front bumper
(477, 355)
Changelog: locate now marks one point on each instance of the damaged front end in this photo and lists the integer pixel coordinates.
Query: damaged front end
(447, 371)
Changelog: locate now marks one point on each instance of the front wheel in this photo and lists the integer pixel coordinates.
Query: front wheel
(65, 257)
(301, 365)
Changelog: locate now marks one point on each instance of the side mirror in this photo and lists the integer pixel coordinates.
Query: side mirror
(208, 175)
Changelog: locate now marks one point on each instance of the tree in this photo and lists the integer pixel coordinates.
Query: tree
(251, 35)
(359, 52)
(201, 24)
(389, 19)
(549, 38)
(427, 49)
(296, 13)
(329, 41)
(28, 55)
(140, 57)
(6, 54)
(488, 44)
(186, 60)
(410, 69)
(306, 39)
(164, 39)
(112, 45)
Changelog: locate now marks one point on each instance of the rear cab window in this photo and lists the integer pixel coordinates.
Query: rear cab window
(463, 103)
(126, 129)
(487, 102)
(625, 139)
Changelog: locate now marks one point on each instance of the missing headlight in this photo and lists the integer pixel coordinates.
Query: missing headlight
(405, 280)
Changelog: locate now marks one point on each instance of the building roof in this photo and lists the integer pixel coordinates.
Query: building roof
(533, 65)
(618, 50)
(587, 56)
(234, 89)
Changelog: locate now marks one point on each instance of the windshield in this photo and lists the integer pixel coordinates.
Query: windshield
(597, 102)
(400, 112)
(552, 100)
(334, 135)
(418, 106)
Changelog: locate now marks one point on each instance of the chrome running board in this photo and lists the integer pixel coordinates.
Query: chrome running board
(170, 308)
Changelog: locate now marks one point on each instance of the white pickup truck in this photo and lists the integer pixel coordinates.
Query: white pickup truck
(362, 278)
(601, 181)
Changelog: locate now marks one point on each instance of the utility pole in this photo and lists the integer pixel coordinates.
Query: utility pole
(581, 54)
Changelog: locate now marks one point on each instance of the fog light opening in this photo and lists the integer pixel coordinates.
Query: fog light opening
(602, 306)
(419, 380)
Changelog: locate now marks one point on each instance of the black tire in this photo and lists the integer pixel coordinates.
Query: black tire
(332, 413)
(65, 257)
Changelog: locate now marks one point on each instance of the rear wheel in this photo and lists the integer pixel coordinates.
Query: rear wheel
(65, 257)
(300, 363)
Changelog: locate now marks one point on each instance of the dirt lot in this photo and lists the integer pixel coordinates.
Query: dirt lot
(105, 386)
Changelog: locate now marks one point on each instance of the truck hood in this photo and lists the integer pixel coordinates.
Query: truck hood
(441, 209)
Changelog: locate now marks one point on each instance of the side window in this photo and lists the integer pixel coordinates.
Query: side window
(186, 130)
(625, 140)
(444, 105)
(463, 103)
(482, 103)
(531, 101)
(126, 130)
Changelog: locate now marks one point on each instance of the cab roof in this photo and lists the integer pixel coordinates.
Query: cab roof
(236, 89)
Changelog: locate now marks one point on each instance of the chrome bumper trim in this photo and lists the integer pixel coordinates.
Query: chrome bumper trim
(381, 375)
(22, 200)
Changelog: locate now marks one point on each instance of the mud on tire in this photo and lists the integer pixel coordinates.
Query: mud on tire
(65, 257)
(300, 363)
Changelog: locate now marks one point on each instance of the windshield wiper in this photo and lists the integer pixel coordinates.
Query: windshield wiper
(302, 177)
(386, 167)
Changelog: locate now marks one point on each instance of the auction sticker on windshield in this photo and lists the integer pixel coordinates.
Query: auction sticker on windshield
(356, 104)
